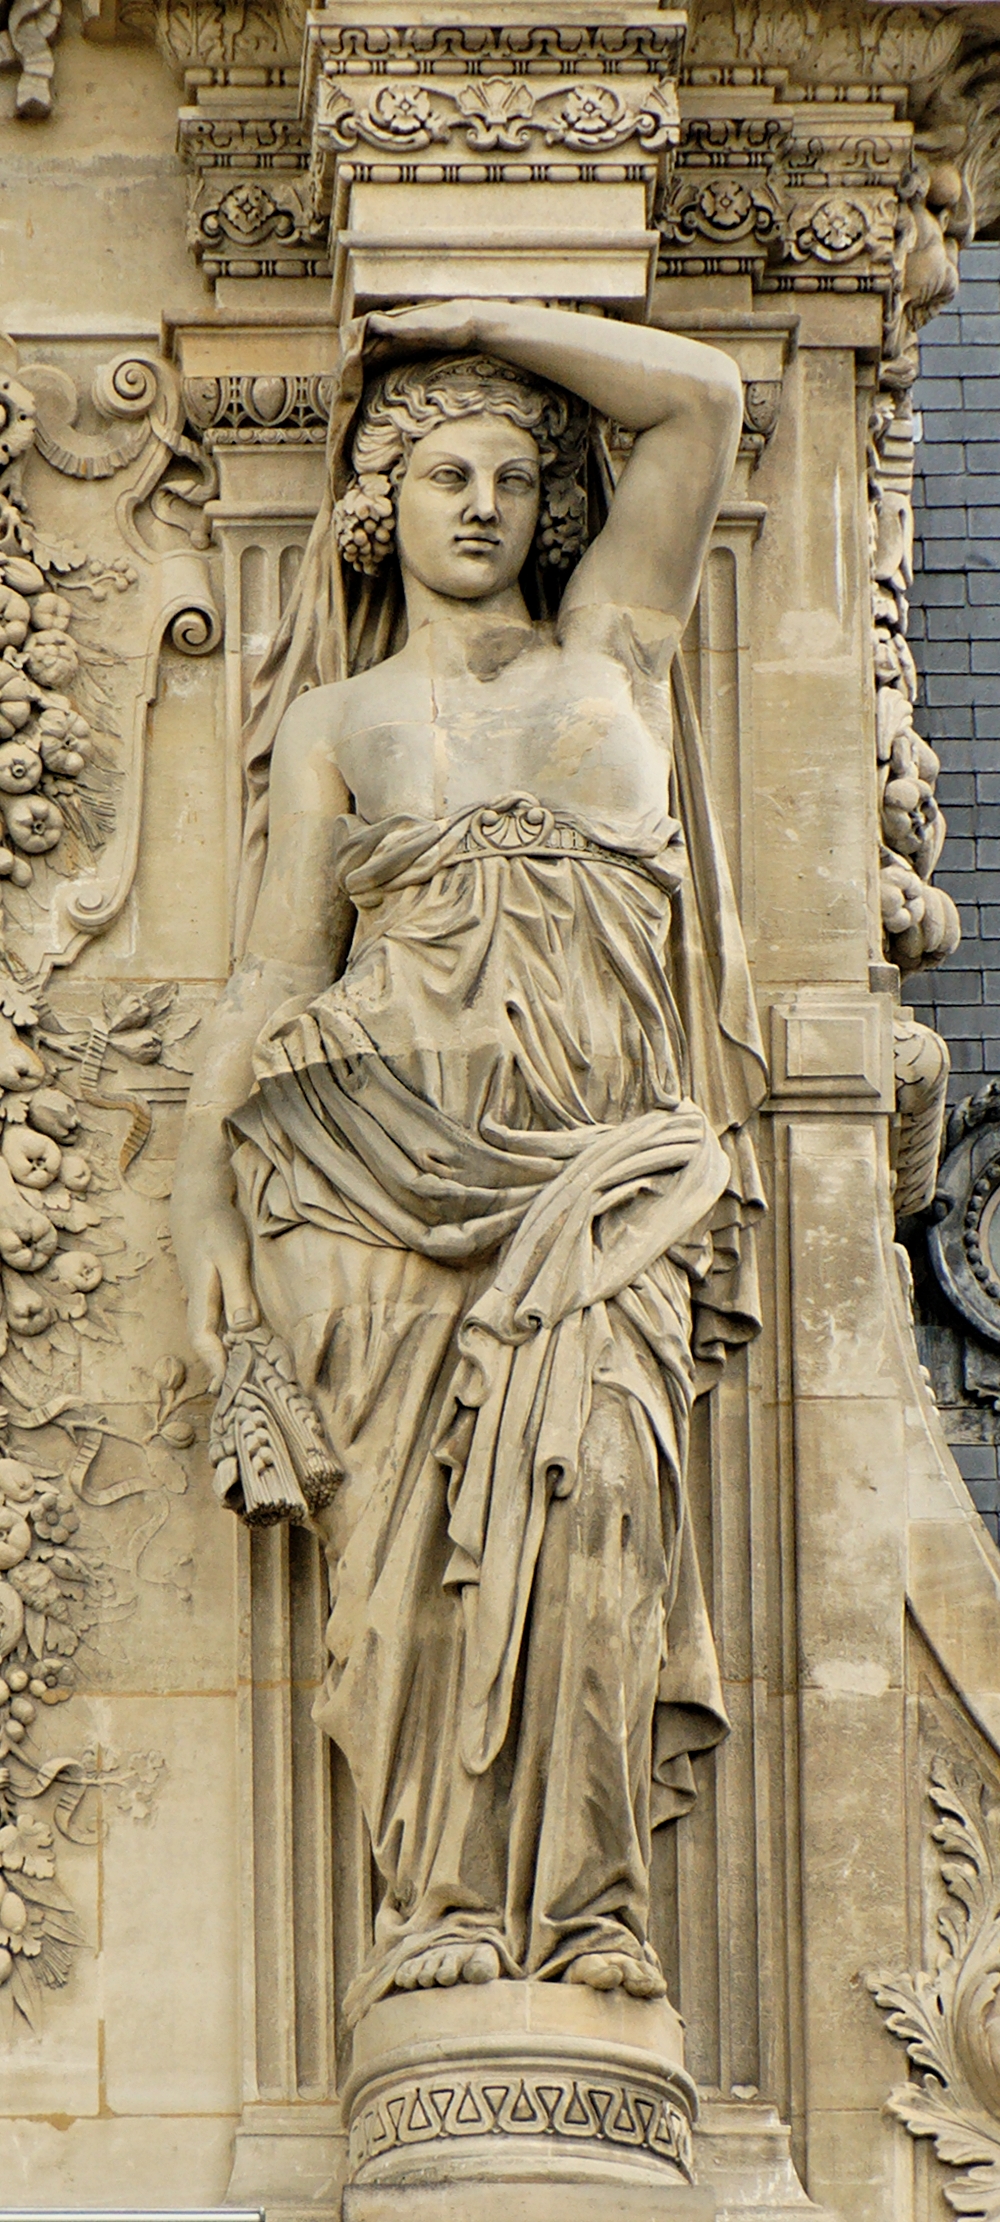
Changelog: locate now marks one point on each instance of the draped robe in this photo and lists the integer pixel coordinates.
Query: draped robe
(500, 1193)
(483, 1200)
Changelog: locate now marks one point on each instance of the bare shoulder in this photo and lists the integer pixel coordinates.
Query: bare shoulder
(304, 768)
(314, 717)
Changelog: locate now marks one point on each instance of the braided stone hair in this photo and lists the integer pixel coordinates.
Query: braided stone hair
(408, 402)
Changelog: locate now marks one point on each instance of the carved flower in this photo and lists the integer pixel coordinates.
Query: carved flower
(498, 111)
(26, 1845)
(57, 1519)
(591, 112)
(17, 419)
(52, 657)
(838, 226)
(15, 617)
(247, 209)
(403, 110)
(725, 204)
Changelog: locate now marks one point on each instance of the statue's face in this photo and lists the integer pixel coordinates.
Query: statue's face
(468, 507)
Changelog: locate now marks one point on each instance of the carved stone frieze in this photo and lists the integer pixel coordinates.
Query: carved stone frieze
(514, 107)
(247, 155)
(259, 411)
(944, 61)
(798, 198)
(535, 2100)
(727, 192)
(500, 114)
(255, 34)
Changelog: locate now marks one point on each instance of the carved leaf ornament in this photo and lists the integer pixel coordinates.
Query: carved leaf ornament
(949, 2021)
(40, 1931)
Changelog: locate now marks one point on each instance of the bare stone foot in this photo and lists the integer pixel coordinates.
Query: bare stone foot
(612, 1971)
(445, 1964)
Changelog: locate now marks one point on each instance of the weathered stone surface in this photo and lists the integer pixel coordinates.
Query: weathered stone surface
(769, 228)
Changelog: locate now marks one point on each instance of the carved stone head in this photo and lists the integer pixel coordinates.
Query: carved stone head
(489, 422)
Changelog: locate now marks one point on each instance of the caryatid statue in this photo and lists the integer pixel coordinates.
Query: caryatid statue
(462, 1206)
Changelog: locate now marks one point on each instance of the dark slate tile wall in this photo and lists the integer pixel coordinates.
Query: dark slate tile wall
(955, 634)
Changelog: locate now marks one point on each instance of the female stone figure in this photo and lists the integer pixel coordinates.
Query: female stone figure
(467, 1133)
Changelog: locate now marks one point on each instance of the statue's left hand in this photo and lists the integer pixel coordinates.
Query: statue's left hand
(437, 326)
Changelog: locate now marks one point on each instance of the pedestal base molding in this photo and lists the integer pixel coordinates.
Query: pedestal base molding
(545, 2201)
(523, 2083)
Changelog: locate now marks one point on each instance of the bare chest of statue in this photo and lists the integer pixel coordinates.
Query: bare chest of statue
(460, 719)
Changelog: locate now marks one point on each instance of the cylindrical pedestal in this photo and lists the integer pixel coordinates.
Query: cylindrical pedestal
(519, 2091)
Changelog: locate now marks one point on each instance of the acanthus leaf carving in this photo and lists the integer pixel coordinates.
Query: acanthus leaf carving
(40, 1930)
(945, 2018)
(205, 33)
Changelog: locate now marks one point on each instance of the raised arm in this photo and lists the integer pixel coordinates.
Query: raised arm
(297, 943)
(684, 400)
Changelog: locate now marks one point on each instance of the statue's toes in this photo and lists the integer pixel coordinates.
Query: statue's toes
(482, 1965)
(641, 1980)
(418, 1973)
(601, 1970)
(449, 1968)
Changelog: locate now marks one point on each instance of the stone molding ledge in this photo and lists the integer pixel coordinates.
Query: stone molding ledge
(831, 1050)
